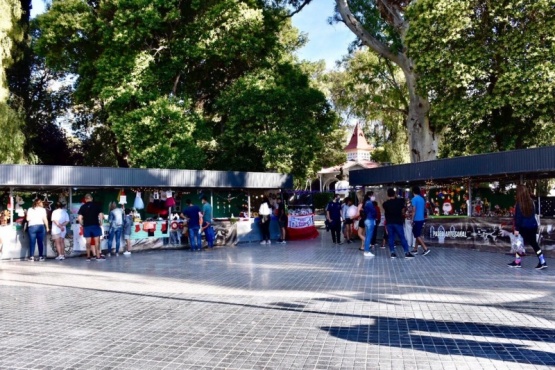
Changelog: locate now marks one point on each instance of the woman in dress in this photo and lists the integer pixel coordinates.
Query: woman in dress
(526, 225)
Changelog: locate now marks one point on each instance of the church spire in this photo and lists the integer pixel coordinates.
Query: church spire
(358, 148)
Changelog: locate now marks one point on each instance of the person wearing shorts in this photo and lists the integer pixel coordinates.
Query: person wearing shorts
(90, 217)
(60, 219)
(418, 218)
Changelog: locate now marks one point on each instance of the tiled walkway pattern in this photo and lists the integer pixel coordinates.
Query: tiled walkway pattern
(304, 305)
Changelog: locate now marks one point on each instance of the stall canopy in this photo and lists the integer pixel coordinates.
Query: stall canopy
(530, 164)
(29, 176)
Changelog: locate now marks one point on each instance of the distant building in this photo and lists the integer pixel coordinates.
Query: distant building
(358, 153)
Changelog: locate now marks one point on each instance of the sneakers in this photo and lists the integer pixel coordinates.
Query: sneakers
(32, 259)
(339, 243)
(349, 241)
(414, 251)
(60, 258)
(263, 242)
(368, 254)
(514, 265)
(393, 255)
(409, 255)
(126, 253)
(283, 242)
(426, 252)
(108, 254)
(41, 259)
(541, 266)
(88, 259)
(101, 258)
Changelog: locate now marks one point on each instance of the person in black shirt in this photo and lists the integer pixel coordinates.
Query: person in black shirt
(333, 216)
(91, 218)
(394, 209)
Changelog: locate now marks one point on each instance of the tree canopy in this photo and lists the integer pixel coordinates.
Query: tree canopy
(489, 69)
(156, 79)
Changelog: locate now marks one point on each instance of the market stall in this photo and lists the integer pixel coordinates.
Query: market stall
(156, 196)
(300, 223)
(482, 233)
(470, 199)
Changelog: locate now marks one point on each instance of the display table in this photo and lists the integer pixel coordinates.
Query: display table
(483, 233)
(301, 227)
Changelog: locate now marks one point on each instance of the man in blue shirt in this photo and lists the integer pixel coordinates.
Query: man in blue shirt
(194, 220)
(207, 221)
(418, 218)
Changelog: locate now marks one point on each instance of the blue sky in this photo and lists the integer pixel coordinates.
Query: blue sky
(327, 42)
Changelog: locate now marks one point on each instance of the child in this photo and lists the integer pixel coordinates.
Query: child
(127, 223)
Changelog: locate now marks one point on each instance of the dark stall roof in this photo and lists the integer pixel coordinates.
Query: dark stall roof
(27, 176)
(533, 163)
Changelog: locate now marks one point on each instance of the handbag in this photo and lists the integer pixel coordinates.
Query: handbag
(517, 244)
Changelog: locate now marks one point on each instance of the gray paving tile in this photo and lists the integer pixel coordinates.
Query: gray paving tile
(306, 305)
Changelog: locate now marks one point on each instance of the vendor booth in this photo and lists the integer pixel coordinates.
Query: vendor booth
(155, 196)
(470, 199)
(300, 223)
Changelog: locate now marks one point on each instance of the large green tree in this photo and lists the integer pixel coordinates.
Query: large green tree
(155, 80)
(139, 62)
(490, 69)
(273, 119)
(12, 139)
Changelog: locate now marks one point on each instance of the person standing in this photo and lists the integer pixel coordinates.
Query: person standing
(378, 220)
(90, 216)
(282, 220)
(127, 224)
(526, 225)
(37, 227)
(60, 219)
(264, 213)
(369, 223)
(394, 209)
(418, 218)
(333, 216)
(361, 216)
(207, 221)
(194, 220)
(347, 219)
(115, 220)
(408, 226)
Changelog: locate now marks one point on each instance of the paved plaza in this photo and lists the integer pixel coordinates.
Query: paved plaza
(303, 305)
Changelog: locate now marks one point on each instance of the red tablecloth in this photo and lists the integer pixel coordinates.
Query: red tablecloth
(301, 227)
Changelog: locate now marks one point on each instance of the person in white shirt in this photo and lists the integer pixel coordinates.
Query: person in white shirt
(37, 227)
(264, 213)
(60, 219)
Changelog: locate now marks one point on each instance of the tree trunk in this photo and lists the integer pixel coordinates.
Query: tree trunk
(423, 141)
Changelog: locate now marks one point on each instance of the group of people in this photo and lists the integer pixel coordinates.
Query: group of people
(90, 216)
(120, 220)
(269, 206)
(368, 217)
(339, 217)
